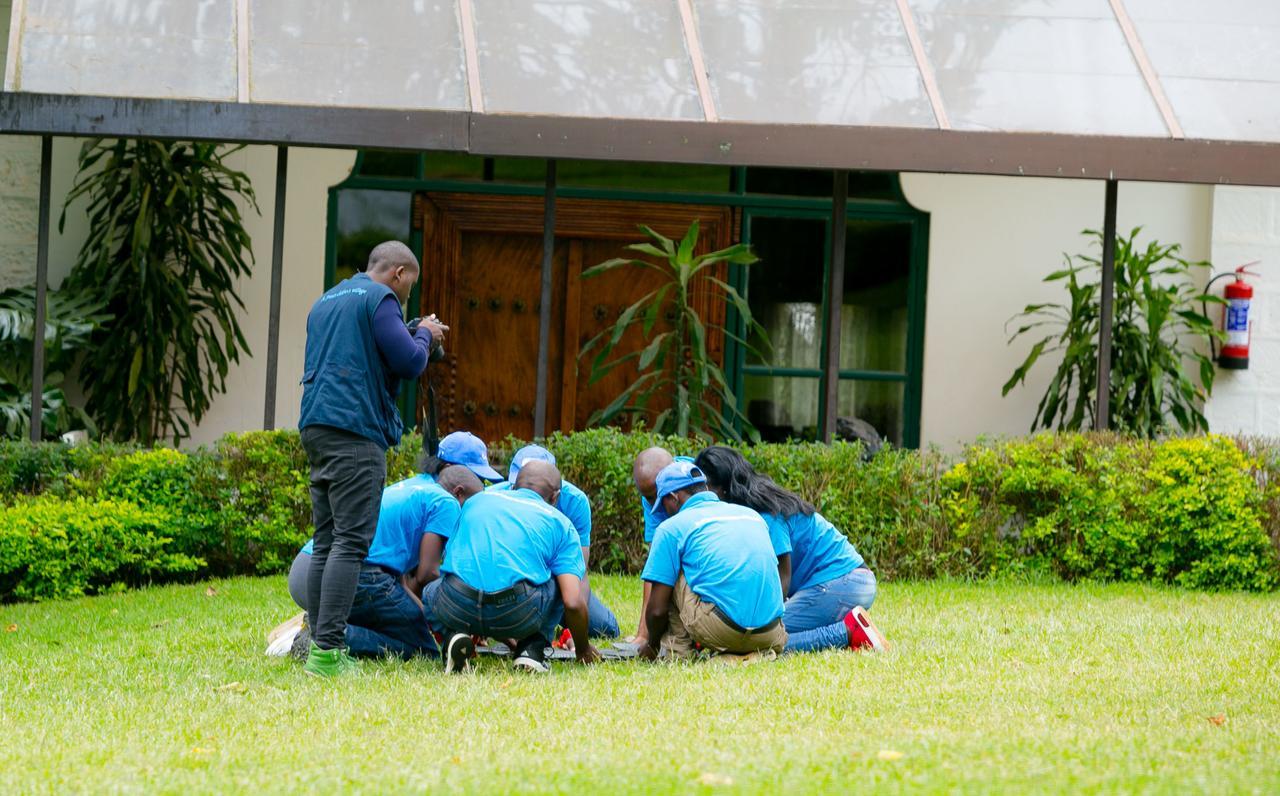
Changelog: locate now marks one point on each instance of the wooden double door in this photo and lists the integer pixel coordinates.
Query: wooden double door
(482, 265)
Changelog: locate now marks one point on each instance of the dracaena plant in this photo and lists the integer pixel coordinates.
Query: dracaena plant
(165, 249)
(1161, 373)
(674, 364)
(70, 319)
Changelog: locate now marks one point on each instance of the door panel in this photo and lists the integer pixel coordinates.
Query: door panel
(482, 272)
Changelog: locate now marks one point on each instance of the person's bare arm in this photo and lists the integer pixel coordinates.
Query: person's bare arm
(575, 616)
(407, 581)
(642, 631)
(655, 618)
(430, 551)
(784, 572)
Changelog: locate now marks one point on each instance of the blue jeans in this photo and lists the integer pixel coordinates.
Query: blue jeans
(385, 620)
(601, 623)
(814, 616)
(530, 611)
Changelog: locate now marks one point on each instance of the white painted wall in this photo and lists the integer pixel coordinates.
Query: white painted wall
(992, 242)
(311, 172)
(1246, 227)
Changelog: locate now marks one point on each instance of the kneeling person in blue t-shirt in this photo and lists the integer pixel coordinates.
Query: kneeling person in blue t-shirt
(713, 572)
(512, 569)
(417, 517)
(574, 504)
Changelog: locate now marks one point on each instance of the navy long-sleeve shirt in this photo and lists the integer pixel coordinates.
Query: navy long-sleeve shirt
(405, 354)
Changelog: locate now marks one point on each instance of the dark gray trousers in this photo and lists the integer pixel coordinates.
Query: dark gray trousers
(347, 476)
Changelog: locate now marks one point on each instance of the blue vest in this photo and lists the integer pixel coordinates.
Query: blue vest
(345, 384)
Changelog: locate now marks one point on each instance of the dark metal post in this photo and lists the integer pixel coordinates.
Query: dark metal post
(1102, 415)
(42, 287)
(835, 304)
(544, 313)
(277, 272)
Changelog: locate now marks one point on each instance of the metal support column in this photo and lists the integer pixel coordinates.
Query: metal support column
(1102, 415)
(544, 312)
(42, 288)
(277, 272)
(835, 302)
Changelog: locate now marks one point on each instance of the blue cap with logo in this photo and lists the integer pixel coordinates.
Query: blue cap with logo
(468, 450)
(672, 478)
(529, 453)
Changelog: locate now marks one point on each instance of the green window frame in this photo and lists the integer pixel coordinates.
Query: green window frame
(749, 206)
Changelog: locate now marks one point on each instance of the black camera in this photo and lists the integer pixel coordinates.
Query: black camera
(437, 353)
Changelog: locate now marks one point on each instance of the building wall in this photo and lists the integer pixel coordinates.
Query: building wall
(1246, 227)
(19, 192)
(992, 242)
(311, 172)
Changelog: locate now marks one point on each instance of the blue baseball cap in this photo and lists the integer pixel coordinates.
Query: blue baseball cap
(468, 450)
(673, 478)
(529, 453)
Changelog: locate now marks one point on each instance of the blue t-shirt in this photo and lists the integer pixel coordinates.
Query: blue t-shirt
(573, 503)
(726, 556)
(409, 509)
(506, 536)
(819, 552)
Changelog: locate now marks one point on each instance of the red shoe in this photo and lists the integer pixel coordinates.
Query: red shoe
(863, 634)
(565, 641)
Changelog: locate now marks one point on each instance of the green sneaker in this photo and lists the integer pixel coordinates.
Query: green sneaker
(329, 663)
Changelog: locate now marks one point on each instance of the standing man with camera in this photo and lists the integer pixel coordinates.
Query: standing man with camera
(358, 350)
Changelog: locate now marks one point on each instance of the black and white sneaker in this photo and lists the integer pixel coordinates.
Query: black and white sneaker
(532, 656)
(458, 653)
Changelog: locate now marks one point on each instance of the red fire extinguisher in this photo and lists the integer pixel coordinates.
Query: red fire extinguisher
(1235, 321)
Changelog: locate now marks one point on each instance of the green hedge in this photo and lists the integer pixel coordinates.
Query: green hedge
(1201, 512)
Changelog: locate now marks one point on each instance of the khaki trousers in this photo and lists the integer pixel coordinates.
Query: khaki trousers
(691, 619)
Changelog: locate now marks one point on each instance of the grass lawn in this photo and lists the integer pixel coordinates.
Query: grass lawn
(990, 687)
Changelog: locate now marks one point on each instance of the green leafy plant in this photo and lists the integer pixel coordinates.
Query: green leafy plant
(70, 319)
(674, 363)
(166, 245)
(1158, 331)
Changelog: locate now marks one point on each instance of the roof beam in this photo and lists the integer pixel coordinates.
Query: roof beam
(1148, 71)
(694, 45)
(922, 63)
(724, 143)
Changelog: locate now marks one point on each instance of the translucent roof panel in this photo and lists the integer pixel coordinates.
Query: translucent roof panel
(365, 53)
(133, 48)
(1219, 63)
(1036, 66)
(610, 58)
(811, 62)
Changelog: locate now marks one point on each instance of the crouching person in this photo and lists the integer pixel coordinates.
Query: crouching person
(514, 567)
(712, 572)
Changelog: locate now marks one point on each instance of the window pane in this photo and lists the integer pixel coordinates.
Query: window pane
(356, 54)
(365, 219)
(520, 170)
(873, 317)
(878, 405)
(817, 182)
(814, 62)
(782, 408)
(671, 177)
(785, 290)
(605, 58)
(453, 166)
(381, 163)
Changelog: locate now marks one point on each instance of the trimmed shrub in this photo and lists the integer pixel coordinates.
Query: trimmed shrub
(51, 548)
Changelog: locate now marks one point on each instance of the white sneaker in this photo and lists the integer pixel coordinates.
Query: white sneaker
(280, 639)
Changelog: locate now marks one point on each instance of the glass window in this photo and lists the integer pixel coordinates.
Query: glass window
(382, 163)
(365, 219)
(667, 177)
(878, 404)
(813, 62)
(453, 166)
(128, 48)
(355, 54)
(785, 290)
(818, 182)
(605, 58)
(873, 316)
(518, 170)
(782, 408)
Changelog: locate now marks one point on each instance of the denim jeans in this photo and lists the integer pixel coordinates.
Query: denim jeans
(815, 616)
(601, 623)
(534, 610)
(385, 619)
(347, 476)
